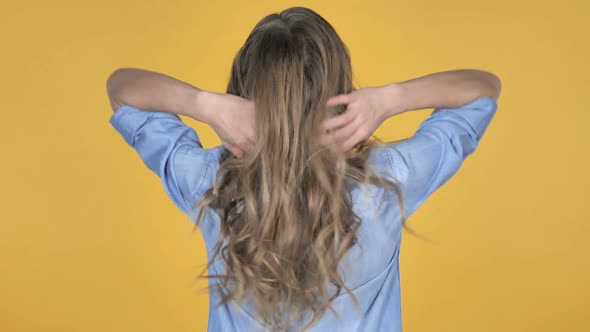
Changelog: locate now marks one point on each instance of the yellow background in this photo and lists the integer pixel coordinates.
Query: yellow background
(89, 240)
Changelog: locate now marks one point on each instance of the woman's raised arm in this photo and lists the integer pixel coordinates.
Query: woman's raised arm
(151, 91)
(446, 89)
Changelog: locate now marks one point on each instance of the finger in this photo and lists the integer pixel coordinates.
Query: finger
(251, 132)
(339, 135)
(338, 100)
(352, 141)
(246, 146)
(251, 138)
(345, 132)
(338, 121)
(249, 149)
(247, 139)
(233, 149)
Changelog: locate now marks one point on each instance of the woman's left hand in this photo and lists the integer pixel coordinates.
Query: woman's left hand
(233, 120)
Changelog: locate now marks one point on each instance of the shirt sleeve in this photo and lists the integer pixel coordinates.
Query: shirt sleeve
(428, 159)
(168, 147)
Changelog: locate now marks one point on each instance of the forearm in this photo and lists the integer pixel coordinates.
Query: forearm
(151, 91)
(443, 89)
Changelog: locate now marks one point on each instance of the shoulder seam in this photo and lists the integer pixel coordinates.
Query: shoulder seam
(204, 174)
(173, 173)
(134, 134)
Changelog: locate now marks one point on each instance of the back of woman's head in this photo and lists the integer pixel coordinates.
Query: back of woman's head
(286, 211)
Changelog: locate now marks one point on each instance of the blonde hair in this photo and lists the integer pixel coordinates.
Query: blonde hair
(286, 214)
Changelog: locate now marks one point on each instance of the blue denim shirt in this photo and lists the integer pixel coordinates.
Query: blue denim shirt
(421, 163)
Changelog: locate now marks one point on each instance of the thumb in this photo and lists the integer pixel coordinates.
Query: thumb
(233, 149)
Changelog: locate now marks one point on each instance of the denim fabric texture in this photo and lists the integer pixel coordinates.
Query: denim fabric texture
(422, 164)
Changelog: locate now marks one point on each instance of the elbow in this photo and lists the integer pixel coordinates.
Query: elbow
(494, 84)
(113, 88)
(112, 81)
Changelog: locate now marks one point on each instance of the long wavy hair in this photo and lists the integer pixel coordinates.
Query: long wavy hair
(285, 209)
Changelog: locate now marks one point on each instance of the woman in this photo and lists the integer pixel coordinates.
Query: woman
(293, 243)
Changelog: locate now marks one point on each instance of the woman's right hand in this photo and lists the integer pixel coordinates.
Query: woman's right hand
(366, 109)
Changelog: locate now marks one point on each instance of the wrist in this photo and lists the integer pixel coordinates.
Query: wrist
(201, 109)
(393, 95)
